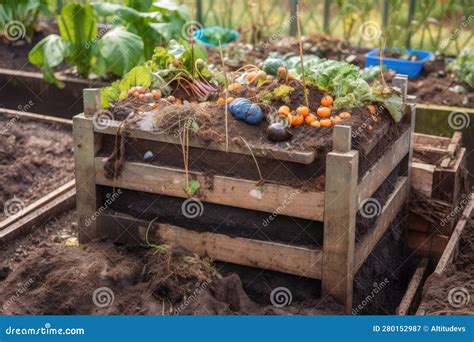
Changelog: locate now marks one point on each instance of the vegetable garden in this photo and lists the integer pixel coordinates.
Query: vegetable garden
(191, 163)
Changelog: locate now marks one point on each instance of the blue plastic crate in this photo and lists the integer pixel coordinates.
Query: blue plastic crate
(401, 66)
(201, 39)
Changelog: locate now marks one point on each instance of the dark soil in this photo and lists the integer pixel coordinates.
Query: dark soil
(46, 274)
(35, 159)
(398, 55)
(14, 55)
(458, 277)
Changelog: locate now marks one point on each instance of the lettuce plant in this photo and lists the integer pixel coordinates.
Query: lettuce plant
(116, 52)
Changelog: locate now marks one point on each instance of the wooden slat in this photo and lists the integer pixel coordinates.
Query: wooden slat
(40, 215)
(37, 204)
(426, 244)
(382, 168)
(266, 151)
(420, 139)
(453, 243)
(447, 183)
(388, 213)
(413, 289)
(35, 117)
(339, 220)
(241, 251)
(422, 177)
(230, 191)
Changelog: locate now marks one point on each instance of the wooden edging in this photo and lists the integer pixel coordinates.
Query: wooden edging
(230, 191)
(39, 212)
(267, 255)
(414, 288)
(453, 243)
(382, 168)
(387, 215)
(429, 108)
(264, 152)
(34, 117)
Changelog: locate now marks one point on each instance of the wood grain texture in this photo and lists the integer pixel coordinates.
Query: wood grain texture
(230, 191)
(414, 288)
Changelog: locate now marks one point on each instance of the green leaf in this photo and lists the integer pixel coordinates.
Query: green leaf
(78, 26)
(139, 5)
(48, 53)
(121, 50)
(192, 187)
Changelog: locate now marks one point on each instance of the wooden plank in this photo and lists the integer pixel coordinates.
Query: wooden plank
(420, 139)
(40, 215)
(37, 204)
(35, 117)
(382, 168)
(447, 183)
(84, 151)
(453, 243)
(431, 109)
(426, 244)
(62, 78)
(422, 177)
(414, 288)
(267, 151)
(92, 102)
(230, 191)
(247, 252)
(387, 215)
(339, 222)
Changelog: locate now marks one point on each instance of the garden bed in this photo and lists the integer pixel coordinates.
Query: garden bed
(36, 158)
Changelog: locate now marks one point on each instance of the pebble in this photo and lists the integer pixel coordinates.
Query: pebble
(148, 155)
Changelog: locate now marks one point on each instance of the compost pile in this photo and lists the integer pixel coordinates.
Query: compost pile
(269, 105)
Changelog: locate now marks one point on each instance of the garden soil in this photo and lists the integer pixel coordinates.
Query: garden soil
(45, 273)
(35, 159)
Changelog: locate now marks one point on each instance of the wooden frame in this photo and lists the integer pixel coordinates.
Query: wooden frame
(41, 210)
(335, 263)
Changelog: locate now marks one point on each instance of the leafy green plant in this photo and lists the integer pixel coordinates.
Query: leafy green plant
(24, 13)
(463, 66)
(156, 22)
(117, 51)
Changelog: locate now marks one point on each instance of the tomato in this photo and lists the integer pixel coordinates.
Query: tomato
(326, 101)
(324, 112)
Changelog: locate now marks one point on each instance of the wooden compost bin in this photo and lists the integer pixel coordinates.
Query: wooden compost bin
(439, 181)
(335, 263)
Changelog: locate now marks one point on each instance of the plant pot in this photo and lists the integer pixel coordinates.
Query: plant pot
(410, 68)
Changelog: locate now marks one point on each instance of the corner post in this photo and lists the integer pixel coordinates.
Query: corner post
(340, 209)
(85, 147)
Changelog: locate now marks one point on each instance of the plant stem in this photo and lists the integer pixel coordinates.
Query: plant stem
(301, 55)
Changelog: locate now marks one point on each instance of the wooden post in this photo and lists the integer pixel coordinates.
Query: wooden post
(410, 119)
(91, 98)
(85, 147)
(340, 208)
(401, 82)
